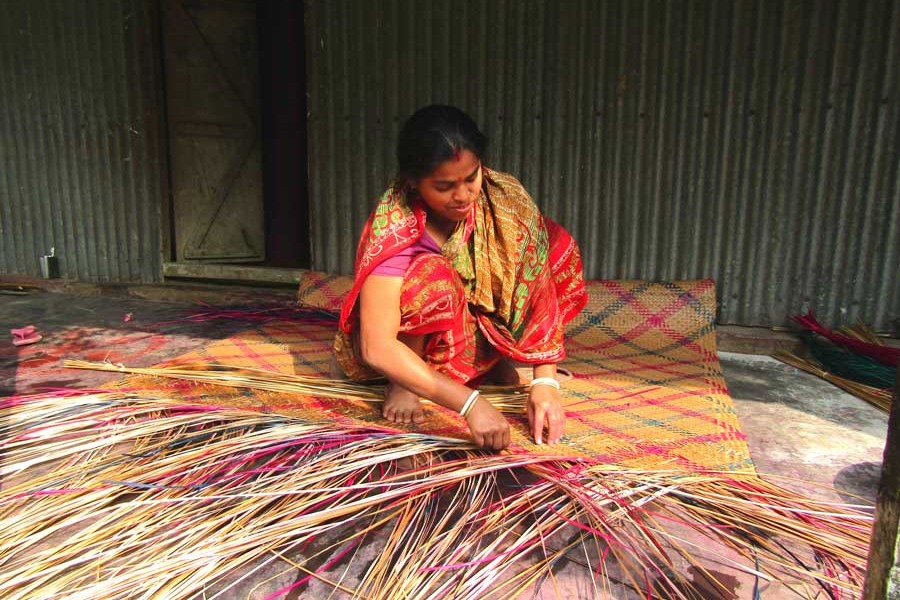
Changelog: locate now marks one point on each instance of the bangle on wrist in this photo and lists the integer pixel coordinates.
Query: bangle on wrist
(469, 403)
(551, 381)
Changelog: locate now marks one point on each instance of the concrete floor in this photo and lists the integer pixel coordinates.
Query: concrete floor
(798, 427)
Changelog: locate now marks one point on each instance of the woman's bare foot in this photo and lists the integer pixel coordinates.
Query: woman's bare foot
(401, 405)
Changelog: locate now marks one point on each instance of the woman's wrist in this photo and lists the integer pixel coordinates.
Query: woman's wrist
(542, 371)
(454, 395)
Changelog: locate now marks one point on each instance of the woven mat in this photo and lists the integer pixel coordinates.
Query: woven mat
(647, 392)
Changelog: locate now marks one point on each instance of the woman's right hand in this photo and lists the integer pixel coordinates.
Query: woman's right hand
(489, 428)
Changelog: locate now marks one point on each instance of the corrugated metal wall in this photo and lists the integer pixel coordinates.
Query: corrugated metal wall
(755, 142)
(82, 168)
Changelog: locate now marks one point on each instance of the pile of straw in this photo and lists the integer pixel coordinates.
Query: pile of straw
(853, 358)
(505, 398)
(113, 495)
(876, 396)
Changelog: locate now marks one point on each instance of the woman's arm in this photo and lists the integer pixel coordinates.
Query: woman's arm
(544, 406)
(379, 319)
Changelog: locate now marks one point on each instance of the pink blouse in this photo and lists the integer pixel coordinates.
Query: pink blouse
(396, 265)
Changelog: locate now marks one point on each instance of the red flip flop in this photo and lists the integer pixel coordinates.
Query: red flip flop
(23, 331)
(25, 335)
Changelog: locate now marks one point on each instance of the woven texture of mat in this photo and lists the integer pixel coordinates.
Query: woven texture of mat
(161, 492)
(647, 392)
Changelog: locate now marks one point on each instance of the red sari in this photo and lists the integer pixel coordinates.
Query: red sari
(506, 282)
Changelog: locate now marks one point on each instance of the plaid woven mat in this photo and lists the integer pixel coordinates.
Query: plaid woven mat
(647, 391)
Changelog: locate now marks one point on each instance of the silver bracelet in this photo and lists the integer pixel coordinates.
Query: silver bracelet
(470, 402)
(544, 381)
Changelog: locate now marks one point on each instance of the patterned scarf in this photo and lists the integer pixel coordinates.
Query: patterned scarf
(502, 255)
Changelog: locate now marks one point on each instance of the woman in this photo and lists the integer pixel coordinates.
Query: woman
(457, 274)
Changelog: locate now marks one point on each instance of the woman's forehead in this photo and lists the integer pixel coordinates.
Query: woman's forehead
(456, 168)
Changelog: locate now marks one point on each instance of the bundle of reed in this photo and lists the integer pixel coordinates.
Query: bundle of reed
(509, 399)
(855, 342)
(876, 396)
(862, 332)
(848, 364)
(111, 495)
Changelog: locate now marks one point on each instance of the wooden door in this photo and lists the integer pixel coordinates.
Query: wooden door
(214, 136)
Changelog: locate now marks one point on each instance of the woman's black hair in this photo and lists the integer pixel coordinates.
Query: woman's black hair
(435, 134)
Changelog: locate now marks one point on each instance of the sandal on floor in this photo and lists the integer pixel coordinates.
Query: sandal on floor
(23, 331)
(25, 335)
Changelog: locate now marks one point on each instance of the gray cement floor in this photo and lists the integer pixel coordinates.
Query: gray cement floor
(800, 429)
(800, 426)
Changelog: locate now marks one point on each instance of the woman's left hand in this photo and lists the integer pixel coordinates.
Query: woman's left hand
(545, 411)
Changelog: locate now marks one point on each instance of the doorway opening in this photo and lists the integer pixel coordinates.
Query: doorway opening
(284, 108)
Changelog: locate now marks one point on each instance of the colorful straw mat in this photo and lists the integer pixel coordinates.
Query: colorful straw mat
(647, 391)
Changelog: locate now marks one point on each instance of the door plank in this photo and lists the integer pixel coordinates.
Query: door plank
(213, 111)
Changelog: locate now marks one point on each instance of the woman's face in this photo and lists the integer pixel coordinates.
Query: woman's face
(450, 189)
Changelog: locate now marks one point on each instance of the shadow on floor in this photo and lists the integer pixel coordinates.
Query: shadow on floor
(858, 481)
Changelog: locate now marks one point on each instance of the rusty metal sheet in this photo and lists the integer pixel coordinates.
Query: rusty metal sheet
(81, 163)
(754, 142)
